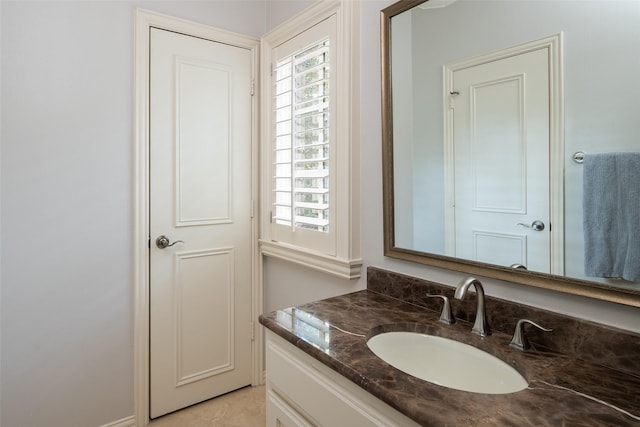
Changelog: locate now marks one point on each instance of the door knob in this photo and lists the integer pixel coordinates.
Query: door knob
(163, 242)
(537, 225)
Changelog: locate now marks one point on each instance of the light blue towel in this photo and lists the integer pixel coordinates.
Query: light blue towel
(611, 210)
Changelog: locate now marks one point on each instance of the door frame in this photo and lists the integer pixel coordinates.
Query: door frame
(553, 44)
(144, 20)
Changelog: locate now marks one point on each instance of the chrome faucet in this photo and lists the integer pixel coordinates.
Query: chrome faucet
(481, 326)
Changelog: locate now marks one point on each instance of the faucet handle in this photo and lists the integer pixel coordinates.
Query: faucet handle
(446, 316)
(519, 340)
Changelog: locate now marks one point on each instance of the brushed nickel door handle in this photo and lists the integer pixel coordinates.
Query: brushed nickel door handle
(537, 225)
(163, 242)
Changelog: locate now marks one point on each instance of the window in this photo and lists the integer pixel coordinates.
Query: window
(301, 152)
(310, 203)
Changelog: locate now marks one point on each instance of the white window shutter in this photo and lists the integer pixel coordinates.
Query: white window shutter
(308, 181)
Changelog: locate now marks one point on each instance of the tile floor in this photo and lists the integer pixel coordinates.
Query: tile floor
(241, 408)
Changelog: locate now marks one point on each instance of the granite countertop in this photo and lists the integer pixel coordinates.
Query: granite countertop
(563, 390)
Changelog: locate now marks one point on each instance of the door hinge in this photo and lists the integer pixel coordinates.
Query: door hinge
(148, 242)
(253, 87)
(252, 213)
(271, 69)
(271, 217)
(253, 331)
(452, 101)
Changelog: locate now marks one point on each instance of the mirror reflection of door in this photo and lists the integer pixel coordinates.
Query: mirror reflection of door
(500, 162)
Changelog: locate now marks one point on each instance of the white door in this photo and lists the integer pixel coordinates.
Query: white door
(501, 151)
(200, 199)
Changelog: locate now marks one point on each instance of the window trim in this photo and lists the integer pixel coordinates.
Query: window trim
(343, 257)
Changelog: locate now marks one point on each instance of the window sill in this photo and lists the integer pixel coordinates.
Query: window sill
(344, 268)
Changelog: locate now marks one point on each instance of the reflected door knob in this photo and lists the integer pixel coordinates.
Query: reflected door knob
(537, 225)
(164, 242)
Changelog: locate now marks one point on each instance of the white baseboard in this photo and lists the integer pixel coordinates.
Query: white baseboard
(125, 422)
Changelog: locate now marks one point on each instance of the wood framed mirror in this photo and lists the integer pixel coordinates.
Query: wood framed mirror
(592, 101)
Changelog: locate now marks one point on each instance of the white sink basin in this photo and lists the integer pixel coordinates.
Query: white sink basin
(446, 362)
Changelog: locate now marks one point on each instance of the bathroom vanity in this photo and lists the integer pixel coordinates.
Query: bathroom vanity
(302, 391)
(321, 372)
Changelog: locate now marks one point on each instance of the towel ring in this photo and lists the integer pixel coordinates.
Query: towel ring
(578, 157)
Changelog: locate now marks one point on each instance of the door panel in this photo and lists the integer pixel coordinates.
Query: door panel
(498, 105)
(203, 110)
(499, 248)
(200, 198)
(501, 117)
(203, 306)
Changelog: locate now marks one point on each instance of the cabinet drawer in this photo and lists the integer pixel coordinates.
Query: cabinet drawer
(280, 414)
(319, 395)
